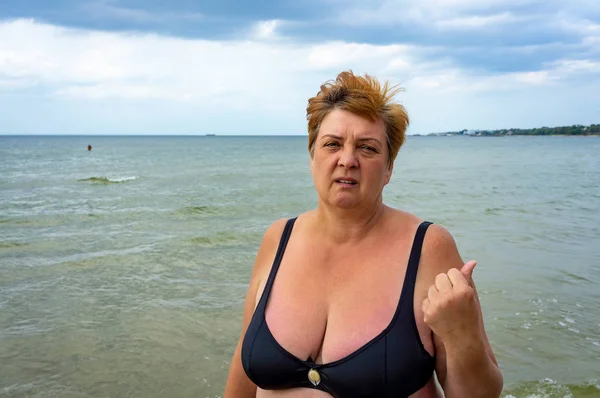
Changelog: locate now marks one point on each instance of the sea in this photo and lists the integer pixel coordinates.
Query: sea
(123, 269)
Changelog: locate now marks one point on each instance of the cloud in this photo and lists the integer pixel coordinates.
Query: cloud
(90, 64)
(104, 9)
(477, 21)
(12, 83)
(433, 20)
(336, 55)
(265, 29)
(538, 77)
(419, 12)
(170, 81)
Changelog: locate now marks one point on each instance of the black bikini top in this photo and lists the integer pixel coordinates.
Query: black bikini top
(392, 364)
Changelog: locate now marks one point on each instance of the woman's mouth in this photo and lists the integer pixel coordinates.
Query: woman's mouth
(346, 181)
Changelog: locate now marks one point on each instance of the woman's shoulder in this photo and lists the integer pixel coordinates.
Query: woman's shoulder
(436, 233)
(439, 252)
(274, 231)
(439, 249)
(404, 220)
(272, 234)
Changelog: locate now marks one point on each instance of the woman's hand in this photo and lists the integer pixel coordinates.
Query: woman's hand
(451, 308)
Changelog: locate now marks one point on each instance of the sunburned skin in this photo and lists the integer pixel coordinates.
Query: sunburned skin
(359, 310)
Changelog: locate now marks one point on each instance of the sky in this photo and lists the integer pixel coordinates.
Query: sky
(241, 67)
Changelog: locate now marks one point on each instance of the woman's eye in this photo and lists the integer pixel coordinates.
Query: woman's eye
(332, 144)
(369, 148)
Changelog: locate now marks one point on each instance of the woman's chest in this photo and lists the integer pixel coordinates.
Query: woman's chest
(327, 309)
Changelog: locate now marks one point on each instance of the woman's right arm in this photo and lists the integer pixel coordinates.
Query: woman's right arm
(238, 384)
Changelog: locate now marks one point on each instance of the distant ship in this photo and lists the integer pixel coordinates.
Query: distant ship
(210, 134)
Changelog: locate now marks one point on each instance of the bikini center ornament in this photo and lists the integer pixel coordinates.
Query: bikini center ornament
(314, 377)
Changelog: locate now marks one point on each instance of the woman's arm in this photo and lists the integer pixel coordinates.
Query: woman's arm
(238, 384)
(465, 363)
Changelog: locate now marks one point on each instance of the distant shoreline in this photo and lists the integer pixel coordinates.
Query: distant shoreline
(500, 135)
(593, 130)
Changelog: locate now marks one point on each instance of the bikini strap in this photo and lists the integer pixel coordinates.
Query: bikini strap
(413, 262)
(285, 236)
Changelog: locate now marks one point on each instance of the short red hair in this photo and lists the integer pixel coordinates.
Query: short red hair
(363, 96)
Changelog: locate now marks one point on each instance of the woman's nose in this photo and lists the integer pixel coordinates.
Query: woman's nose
(348, 158)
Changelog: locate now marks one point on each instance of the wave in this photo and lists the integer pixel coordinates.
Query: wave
(199, 210)
(548, 388)
(227, 239)
(108, 180)
(9, 245)
(203, 211)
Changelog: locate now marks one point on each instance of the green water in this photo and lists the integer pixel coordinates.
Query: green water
(123, 270)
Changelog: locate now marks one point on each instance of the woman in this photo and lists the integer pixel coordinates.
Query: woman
(354, 298)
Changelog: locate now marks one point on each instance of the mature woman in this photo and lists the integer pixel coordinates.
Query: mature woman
(355, 298)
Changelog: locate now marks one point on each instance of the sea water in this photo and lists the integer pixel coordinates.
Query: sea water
(123, 269)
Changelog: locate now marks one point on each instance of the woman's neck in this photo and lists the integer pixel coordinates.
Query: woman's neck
(347, 225)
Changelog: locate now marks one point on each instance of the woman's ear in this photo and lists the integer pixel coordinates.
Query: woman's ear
(388, 173)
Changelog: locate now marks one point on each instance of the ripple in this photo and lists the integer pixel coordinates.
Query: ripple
(10, 245)
(109, 180)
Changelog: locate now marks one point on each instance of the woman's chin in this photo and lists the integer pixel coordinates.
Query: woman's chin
(345, 201)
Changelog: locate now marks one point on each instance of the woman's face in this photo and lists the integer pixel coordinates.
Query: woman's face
(350, 160)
